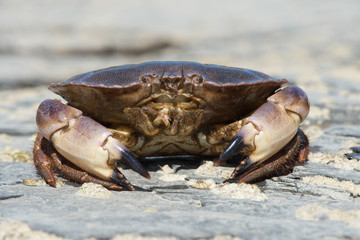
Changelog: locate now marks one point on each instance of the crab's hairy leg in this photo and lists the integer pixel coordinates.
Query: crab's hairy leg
(282, 163)
(269, 129)
(84, 142)
(304, 148)
(42, 161)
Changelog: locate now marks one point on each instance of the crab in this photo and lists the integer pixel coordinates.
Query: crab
(117, 116)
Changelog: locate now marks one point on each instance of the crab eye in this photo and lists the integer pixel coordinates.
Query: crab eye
(149, 78)
(195, 78)
(200, 79)
(146, 79)
(143, 79)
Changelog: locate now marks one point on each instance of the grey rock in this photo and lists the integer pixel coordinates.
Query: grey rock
(175, 209)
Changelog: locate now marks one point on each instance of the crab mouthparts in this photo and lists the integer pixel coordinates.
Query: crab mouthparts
(172, 97)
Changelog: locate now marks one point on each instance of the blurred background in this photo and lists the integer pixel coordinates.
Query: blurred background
(44, 41)
(314, 44)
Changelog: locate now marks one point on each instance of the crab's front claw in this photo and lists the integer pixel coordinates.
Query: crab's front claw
(86, 143)
(267, 130)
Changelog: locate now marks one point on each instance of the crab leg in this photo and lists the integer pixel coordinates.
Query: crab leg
(267, 130)
(42, 162)
(84, 142)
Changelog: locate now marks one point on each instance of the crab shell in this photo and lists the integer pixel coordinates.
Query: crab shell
(225, 94)
(163, 101)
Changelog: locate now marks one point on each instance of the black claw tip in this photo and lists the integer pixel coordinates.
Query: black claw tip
(130, 160)
(235, 148)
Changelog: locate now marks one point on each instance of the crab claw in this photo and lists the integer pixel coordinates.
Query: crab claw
(86, 143)
(122, 156)
(267, 130)
(235, 149)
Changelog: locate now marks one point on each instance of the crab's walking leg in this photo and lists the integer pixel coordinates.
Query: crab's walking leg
(42, 162)
(267, 130)
(86, 143)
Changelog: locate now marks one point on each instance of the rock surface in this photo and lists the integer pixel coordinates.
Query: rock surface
(313, 44)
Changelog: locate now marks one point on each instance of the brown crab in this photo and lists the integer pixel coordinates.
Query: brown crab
(118, 115)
